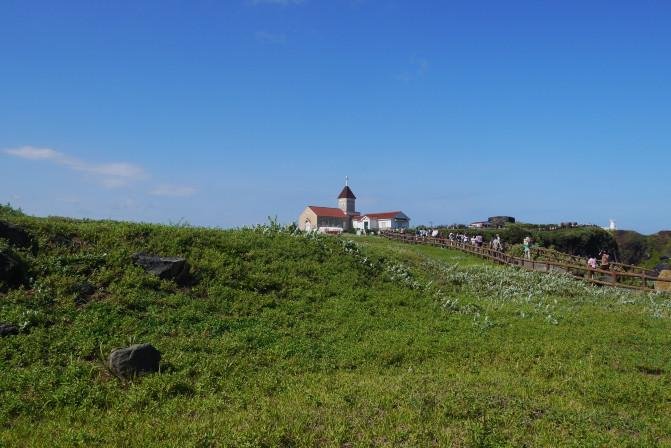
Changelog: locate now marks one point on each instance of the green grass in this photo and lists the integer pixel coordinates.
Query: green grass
(288, 340)
(416, 253)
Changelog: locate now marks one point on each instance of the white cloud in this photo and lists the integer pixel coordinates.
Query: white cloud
(110, 175)
(178, 191)
(30, 153)
(270, 38)
(115, 170)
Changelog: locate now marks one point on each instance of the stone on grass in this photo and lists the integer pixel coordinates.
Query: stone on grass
(662, 267)
(663, 285)
(12, 270)
(8, 330)
(167, 268)
(83, 291)
(15, 235)
(138, 359)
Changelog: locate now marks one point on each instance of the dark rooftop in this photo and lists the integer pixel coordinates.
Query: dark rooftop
(346, 193)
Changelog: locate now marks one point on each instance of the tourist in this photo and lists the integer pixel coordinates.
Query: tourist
(591, 266)
(527, 247)
(605, 260)
(591, 263)
(496, 244)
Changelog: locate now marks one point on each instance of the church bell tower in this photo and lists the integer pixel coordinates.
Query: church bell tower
(346, 199)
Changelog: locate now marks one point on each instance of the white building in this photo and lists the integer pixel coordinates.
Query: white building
(330, 219)
(345, 217)
(382, 221)
(479, 224)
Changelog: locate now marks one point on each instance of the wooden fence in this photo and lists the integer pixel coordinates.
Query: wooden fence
(544, 260)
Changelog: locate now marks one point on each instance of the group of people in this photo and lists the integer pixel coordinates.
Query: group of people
(427, 232)
(603, 261)
(476, 240)
(461, 238)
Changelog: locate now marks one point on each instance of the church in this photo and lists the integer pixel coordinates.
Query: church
(345, 217)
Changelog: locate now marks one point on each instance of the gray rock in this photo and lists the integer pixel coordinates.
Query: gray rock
(662, 267)
(135, 360)
(663, 282)
(15, 235)
(12, 269)
(8, 330)
(82, 293)
(167, 268)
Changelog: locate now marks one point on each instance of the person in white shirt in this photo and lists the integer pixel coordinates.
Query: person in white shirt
(527, 247)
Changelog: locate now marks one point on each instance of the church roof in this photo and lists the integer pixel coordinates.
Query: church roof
(330, 212)
(384, 215)
(346, 193)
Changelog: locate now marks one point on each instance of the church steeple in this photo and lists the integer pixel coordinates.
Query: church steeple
(346, 199)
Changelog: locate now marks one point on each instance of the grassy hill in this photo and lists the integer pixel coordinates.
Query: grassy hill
(646, 250)
(287, 340)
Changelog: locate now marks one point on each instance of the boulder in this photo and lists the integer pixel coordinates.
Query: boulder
(15, 235)
(663, 285)
(82, 293)
(12, 269)
(167, 268)
(8, 330)
(135, 360)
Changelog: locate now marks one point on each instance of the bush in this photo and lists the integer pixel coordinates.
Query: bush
(581, 241)
(8, 210)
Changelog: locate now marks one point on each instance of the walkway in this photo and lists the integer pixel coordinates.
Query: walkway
(545, 260)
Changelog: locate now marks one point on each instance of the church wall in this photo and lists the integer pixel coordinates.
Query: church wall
(307, 214)
(327, 221)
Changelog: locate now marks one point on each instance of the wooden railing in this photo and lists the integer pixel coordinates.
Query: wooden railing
(541, 253)
(543, 260)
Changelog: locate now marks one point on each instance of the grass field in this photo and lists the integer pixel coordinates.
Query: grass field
(291, 340)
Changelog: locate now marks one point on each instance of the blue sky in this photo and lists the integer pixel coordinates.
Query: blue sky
(224, 113)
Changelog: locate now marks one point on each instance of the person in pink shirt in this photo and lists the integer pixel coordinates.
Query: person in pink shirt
(592, 263)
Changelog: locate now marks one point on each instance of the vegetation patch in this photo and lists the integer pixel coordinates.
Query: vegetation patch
(287, 339)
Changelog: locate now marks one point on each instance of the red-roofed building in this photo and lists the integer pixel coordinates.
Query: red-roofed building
(325, 219)
(382, 221)
(345, 217)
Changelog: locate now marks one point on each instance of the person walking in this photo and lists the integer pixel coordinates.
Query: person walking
(478, 240)
(527, 247)
(497, 244)
(591, 264)
(605, 260)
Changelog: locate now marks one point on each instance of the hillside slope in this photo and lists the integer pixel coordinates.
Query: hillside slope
(646, 250)
(283, 339)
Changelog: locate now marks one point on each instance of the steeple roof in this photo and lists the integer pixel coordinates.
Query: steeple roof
(346, 193)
